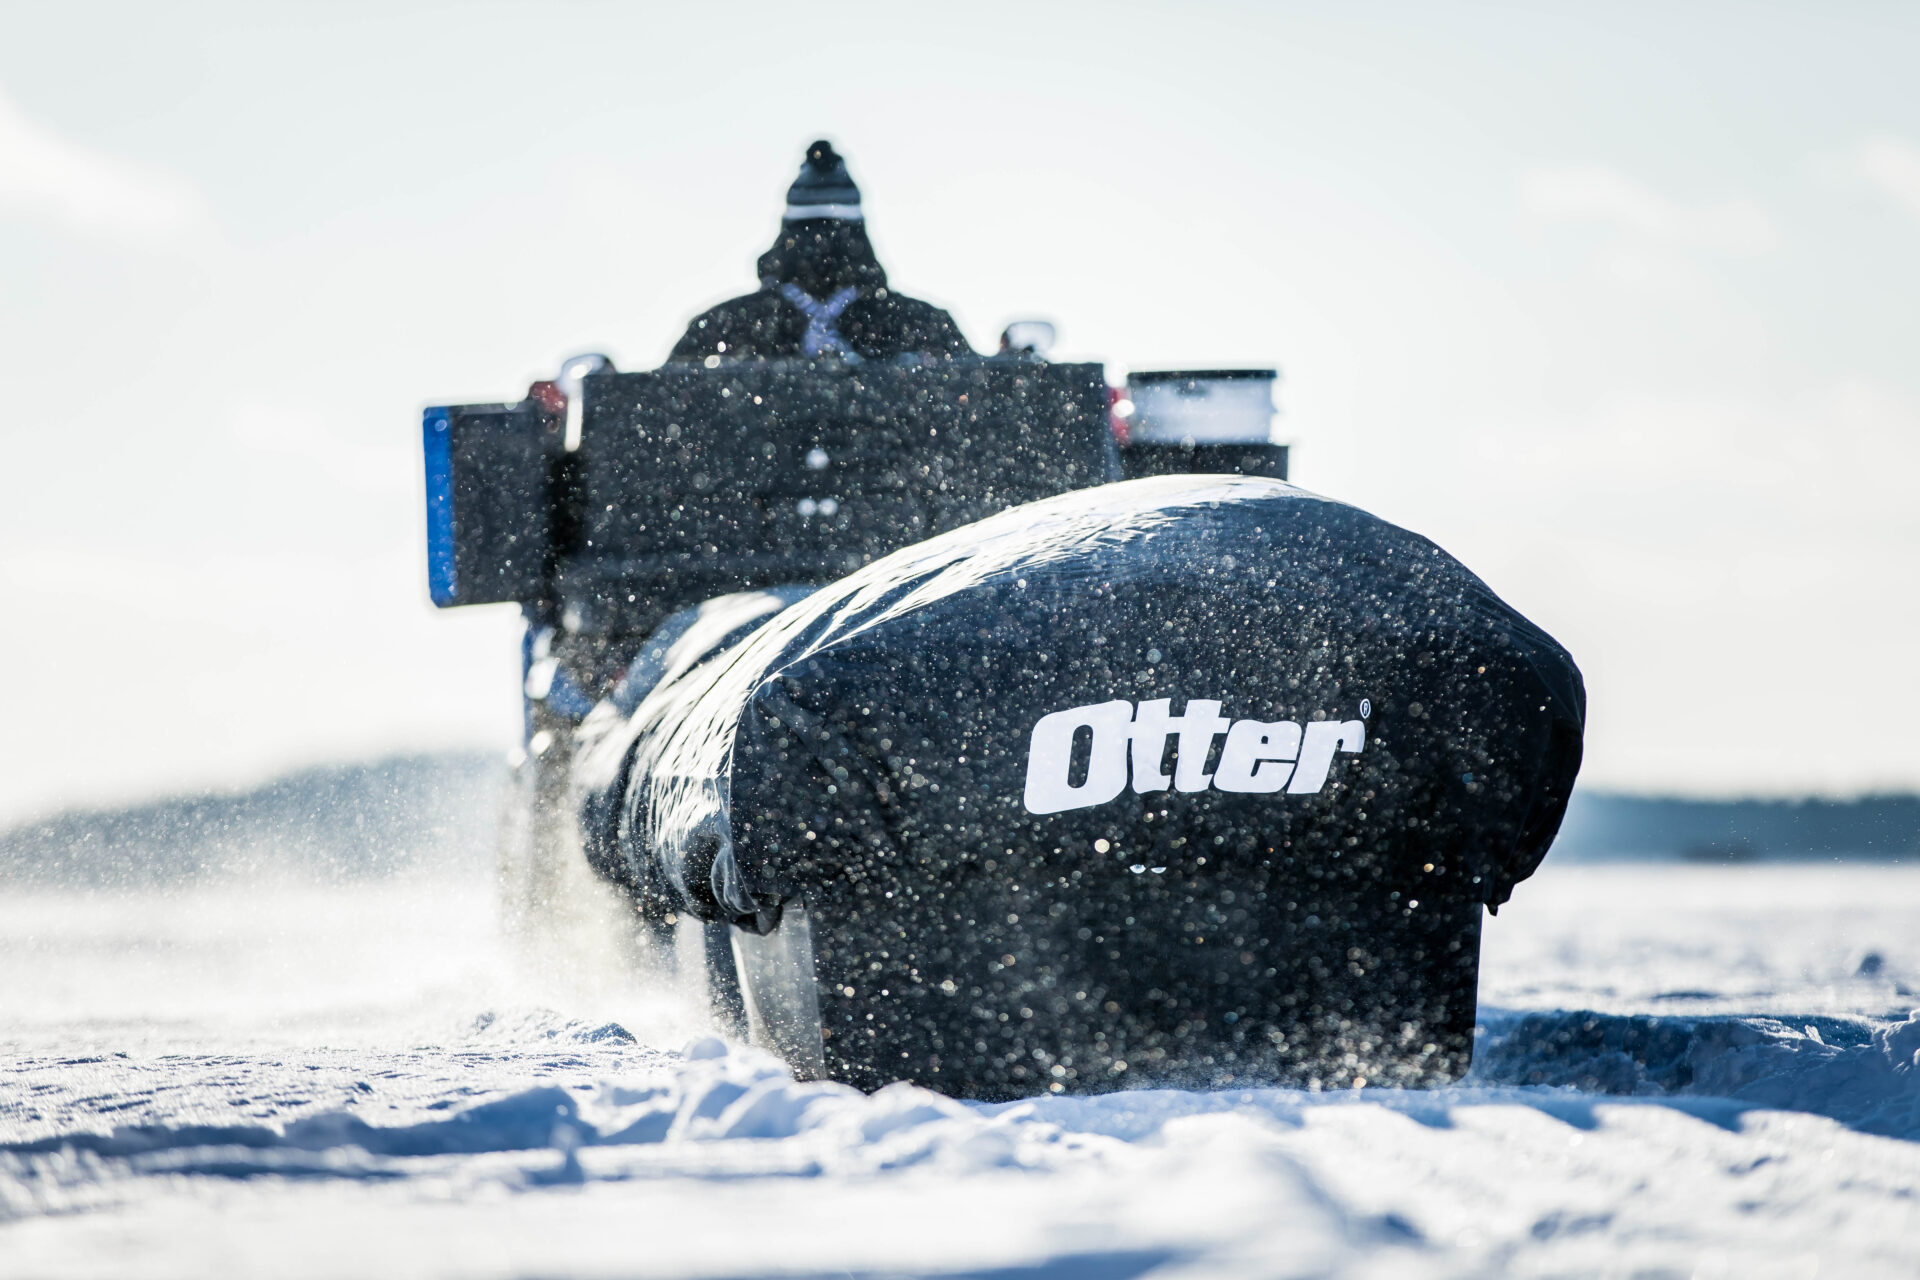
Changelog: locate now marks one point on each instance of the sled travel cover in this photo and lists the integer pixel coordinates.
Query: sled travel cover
(1193, 779)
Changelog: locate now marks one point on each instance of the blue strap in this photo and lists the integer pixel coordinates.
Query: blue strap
(443, 578)
(822, 334)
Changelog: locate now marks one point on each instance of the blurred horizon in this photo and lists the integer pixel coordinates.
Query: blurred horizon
(436, 814)
(1588, 298)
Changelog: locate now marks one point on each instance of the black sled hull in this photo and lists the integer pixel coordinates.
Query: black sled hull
(1195, 781)
(1266, 981)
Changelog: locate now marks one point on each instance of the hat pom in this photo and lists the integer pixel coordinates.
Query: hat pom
(824, 189)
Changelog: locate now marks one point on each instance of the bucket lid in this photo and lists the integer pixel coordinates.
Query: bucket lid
(1199, 375)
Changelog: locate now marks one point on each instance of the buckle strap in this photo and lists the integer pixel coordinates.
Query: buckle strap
(822, 333)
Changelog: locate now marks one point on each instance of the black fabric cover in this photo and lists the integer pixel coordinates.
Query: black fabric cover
(878, 749)
(694, 482)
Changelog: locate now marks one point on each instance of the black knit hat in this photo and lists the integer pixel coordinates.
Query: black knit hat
(823, 189)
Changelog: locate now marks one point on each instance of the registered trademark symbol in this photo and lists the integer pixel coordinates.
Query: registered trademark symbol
(1366, 707)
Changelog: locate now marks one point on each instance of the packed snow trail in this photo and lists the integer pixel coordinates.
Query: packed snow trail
(168, 1110)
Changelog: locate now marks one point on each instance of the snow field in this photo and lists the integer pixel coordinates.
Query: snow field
(1683, 1071)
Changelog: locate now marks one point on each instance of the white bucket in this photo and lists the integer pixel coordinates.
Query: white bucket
(1201, 406)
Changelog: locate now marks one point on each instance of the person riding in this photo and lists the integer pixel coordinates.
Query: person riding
(822, 291)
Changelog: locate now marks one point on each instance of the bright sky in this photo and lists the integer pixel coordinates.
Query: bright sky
(1619, 306)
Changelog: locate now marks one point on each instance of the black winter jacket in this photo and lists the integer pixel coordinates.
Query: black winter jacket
(821, 257)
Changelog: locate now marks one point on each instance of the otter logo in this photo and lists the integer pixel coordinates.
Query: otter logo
(1259, 757)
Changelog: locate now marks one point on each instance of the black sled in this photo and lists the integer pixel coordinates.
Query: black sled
(979, 769)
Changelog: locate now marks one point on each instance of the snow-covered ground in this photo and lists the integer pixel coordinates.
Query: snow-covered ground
(1683, 1071)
